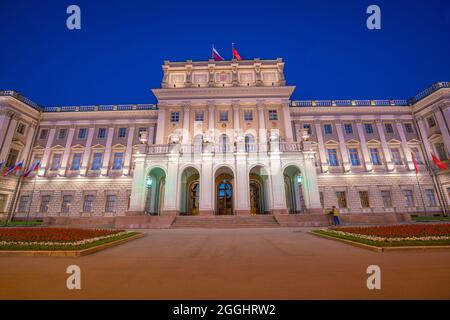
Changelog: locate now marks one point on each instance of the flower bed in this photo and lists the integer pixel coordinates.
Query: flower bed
(397, 235)
(57, 238)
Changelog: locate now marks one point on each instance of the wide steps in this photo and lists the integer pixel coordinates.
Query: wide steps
(257, 221)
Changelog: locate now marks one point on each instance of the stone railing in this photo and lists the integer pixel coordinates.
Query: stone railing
(18, 96)
(125, 107)
(290, 146)
(158, 149)
(347, 103)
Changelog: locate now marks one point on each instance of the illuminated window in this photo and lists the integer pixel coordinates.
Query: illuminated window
(364, 198)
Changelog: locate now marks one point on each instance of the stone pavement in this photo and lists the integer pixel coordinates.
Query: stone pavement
(272, 263)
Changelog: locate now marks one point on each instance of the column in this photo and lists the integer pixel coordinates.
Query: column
(9, 136)
(321, 145)
(211, 116)
(384, 146)
(67, 150)
(424, 134)
(138, 187)
(161, 125)
(47, 151)
(186, 124)
(171, 187)
(404, 144)
(311, 185)
(206, 205)
(87, 152)
(364, 149)
(443, 127)
(236, 122)
(242, 187)
(262, 127)
(151, 135)
(129, 151)
(107, 155)
(278, 190)
(29, 141)
(5, 117)
(287, 121)
(343, 147)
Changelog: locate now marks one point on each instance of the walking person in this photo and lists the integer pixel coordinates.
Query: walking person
(335, 213)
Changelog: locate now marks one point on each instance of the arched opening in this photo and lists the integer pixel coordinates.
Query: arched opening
(224, 143)
(190, 191)
(249, 143)
(156, 180)
(259, 190)
(224, 191)
(293, 182)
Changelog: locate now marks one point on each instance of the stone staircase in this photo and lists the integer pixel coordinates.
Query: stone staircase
(258, 221)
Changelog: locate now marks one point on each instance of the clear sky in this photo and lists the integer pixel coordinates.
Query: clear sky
(116, 57)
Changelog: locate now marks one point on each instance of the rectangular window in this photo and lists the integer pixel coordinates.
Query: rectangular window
(76, 162)
(389, 128)
(88, 203)
(416, 153)
(118, 160)
(368, 128)
(409, 198)
(82, 133)
(11, 160)
(3, 201)
(328, 128)
(175, 116)
(45, 202)
(56, 162)
(248, 115)
(387, 198)
(375, 156)
(24, 204)
(321, 199)
(101, 133)
(66, 203)
(122, 133)
(308, 127)
(431, 199)
(395, 153)
(21, 128)
(364, 198)
(199, 116)
(354, 157)
(273, 115)
(409, 127)
(43, 134)
(342, 199)
(440, 150)
(97, 161)
(62, 133)
(110, 203)
(223, 116)
(333, 158)
(431, 122)
(348, 128)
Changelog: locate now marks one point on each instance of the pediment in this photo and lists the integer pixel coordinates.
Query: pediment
(331, 142)
(353, 142)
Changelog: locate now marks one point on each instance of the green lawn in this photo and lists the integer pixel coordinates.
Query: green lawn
(63, 247)
(21, 223)
(384, 243)
(433, 219)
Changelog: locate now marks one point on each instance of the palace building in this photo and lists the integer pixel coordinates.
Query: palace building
(225, 138)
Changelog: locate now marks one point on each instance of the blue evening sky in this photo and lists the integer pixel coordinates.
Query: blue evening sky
(116, 57)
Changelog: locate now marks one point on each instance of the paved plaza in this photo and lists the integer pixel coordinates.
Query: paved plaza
(275, 263)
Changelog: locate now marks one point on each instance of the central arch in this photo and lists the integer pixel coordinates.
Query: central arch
(190, 191)
(259, 190)
(155, 184)
(293, 184)
(224, 191)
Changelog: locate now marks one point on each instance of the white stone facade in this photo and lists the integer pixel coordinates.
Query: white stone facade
(225, 138)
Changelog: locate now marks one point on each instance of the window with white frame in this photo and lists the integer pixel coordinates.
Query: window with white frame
(273, 115)
(354, 157)
(175, 116)
(24, 203)
(333, 157)
(66, 203)
(348, 128)
(21, 128)
(328, 128)
(97, 161)
(76, 161)
(364, 199)
(388, 128)
(368, 127)
(101, 134)
(43, 134)
(375, 156)
(122, 133)
(431, 198)
(223, 116)
(387, 198)
(396, 157)
(56, 162)
(62, 134)
(110, 203)
(45, 203)
(88, 203)
(82, 133)
(248, 115)
(12, 157)
(118, 161)
(409, 127)
(409, 198)
(199, 116)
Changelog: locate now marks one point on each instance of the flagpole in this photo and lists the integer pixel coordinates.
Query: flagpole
(421, 195)
(31, 199)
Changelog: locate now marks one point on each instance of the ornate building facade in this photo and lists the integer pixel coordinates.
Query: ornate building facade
(225, 138)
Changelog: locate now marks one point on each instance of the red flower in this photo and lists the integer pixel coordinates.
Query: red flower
(401, 231)
(52, 234)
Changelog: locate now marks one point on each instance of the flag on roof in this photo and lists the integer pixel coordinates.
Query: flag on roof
(215, 55)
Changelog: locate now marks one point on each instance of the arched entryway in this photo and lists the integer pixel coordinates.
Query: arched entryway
(156, 180)
(224, 189)
(189, 191)
(293, 181)
(259, 190)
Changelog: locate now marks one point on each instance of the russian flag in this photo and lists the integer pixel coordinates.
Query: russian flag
(215, 55)
(17, 167)
(34, 167)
